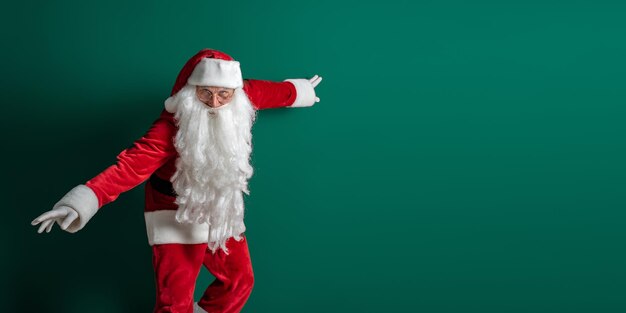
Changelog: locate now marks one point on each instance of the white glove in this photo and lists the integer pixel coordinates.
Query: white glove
(305, 90)
(63, 215)
(315, 80)
(72, 212)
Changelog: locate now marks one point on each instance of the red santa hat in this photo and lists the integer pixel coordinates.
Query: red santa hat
(208, 67)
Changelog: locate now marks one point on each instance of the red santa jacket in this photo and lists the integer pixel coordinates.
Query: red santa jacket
(153, 156)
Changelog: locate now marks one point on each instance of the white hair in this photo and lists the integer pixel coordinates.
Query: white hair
(213, 167)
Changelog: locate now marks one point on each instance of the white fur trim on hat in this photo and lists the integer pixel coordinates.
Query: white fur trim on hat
(84, 201)
(216, 72)
(163, 228)
(305, 93)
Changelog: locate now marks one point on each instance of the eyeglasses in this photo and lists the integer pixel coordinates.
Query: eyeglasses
(206, 95)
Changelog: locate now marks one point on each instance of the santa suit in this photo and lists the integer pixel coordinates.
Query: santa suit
(179, 250)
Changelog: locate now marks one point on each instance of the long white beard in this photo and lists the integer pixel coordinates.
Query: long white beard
(213, 167)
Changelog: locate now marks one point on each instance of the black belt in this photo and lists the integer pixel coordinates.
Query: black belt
(163, 186)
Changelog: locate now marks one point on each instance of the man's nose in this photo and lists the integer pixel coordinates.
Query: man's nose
(214, 101)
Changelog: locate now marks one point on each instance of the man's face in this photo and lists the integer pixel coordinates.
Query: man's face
(214, 97)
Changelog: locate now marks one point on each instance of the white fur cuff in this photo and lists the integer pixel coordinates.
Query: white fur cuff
(84, 201)
(305, 93)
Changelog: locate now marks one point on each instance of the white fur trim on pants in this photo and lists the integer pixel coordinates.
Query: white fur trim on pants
(84, 201)
(305, 93)
(198, 309)
(162, 228)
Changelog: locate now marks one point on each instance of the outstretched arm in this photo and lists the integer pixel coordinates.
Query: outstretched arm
(291, 93)
(134, 165)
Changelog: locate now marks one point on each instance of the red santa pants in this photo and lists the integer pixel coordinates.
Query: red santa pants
(176, 267)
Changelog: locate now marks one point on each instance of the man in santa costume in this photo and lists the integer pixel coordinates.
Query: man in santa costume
(196, 160)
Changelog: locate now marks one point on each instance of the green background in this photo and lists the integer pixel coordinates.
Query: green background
(466, 156)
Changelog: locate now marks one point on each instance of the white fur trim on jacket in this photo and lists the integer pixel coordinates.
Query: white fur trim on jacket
(84, 201)
(217, 73)
(305, 93)
(162, 227)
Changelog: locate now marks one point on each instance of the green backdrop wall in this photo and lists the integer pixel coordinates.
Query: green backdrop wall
(466, 156)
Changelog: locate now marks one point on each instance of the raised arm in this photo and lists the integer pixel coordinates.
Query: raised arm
(134, 165)
(291, 93)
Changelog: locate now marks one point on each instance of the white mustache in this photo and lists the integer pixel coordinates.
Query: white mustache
(214, 111)
(214, 146)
